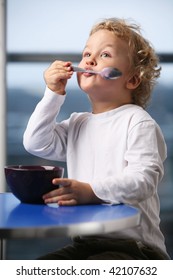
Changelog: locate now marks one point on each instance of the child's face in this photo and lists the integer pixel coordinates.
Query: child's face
(104, 49)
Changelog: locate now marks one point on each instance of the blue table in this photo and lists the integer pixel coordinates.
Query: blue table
(20, 220)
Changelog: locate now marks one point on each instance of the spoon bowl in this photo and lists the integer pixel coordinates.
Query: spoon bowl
(108, 73)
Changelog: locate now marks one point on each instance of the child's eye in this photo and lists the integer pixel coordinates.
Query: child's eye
(86, 54)
(105, 54)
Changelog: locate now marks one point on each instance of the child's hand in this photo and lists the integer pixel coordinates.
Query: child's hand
(56, 76)
(71, 192)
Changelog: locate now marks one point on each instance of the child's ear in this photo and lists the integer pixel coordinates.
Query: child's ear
(133, 82)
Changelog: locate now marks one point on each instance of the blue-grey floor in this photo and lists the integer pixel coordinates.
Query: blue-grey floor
(30, 249)
(167, 229)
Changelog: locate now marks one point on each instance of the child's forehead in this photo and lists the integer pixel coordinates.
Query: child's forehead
(105, 38)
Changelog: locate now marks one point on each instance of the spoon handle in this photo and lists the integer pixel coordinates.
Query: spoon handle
(78, 69)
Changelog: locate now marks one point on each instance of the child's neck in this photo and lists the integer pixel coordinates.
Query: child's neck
(105, 107)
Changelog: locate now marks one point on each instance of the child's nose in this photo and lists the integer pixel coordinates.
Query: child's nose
(91, 61)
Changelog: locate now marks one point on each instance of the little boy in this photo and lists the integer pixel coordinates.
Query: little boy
(114, 153)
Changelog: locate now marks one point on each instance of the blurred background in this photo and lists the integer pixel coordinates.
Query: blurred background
(40, 31)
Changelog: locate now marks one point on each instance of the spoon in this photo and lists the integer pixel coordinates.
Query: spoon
(108, 73)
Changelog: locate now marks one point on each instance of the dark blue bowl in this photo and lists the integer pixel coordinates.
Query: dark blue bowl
(29, 183)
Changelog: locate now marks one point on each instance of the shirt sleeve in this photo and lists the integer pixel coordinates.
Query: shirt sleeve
(145, 154)
(44, 137)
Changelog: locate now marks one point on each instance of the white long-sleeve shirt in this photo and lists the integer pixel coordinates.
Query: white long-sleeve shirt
(120, 153)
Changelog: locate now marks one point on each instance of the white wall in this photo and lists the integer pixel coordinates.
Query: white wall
(2, 96)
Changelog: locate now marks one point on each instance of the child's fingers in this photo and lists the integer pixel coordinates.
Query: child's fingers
(67, 202)
(61, 181)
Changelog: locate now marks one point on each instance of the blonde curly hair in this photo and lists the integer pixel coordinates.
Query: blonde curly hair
(143, 60)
